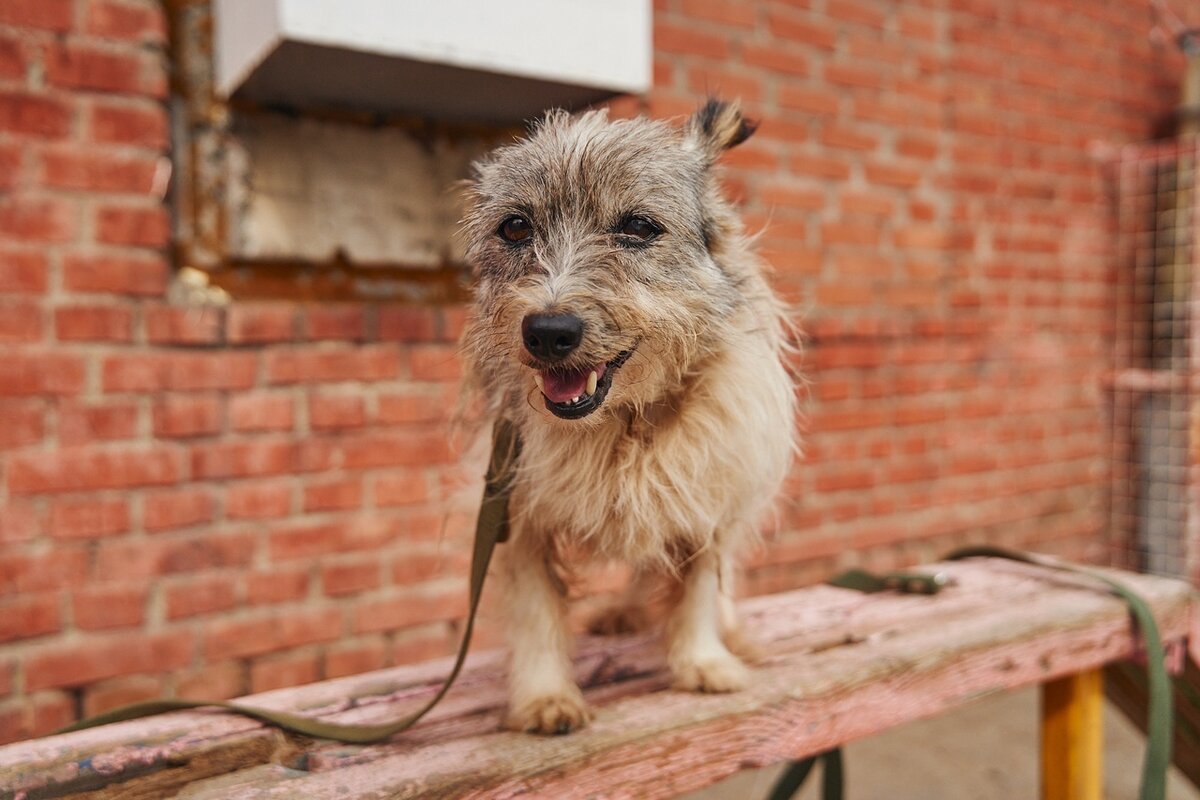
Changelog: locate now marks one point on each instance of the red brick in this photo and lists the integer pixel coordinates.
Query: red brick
(421, 644)
(401, 488)
(79, 469)
(396, 449)
(23, 423)
(178, 371)
(34, 115)
(258, 500)
(416, 404)
(795, 196)
(285, 670)
(79, 66)
(855, 12)
(415, 567)
(55, 15)
(803, 28)
(436, 362)
(51, 711)
(725, 12)
(196, 596)
(259, 324)
(107, 657)
(354, 658)
(181, 416)
(116, 692)
(408, 608)
(28, 617)
(189, 326)
(19, 522)
(214, 682)
(94, 170)
(109, 606)
(848, 138)
(136, 226)
(408, 324)
(893, 175)
(333, 495)
(142, 125)
(88, 323)
(22, 272)
(775, 58)
(12, 157)
(80, 424)
(350, 577)
(822, 166)
(134, 275)
(252, 636)
(243, 459)
(277, 586)
(180, 508)
(88, 519)
(261, 411)
(20, 321)
(308, 540)
(36, 220)
(147, 558)
(335, 412)
(123, 20)
(27, 373)
(13, 58)
(686, 40)
(367, 363)
(22, 573)
(344, 322)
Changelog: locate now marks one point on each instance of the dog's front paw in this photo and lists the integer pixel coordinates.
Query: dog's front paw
(720, 674)
(553, 714)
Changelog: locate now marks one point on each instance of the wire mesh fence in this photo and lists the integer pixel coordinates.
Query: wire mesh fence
(1155, 523)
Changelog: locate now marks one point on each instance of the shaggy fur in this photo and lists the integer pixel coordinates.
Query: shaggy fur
(674, 470)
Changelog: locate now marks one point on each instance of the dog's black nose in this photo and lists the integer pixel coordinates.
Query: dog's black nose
(551, 337)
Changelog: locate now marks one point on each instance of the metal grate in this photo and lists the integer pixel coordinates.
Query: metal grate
(1154, 514)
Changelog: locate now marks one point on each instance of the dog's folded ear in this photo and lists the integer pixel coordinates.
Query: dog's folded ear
(718, 126)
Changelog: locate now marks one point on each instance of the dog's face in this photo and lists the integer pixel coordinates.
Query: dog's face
(596, 246)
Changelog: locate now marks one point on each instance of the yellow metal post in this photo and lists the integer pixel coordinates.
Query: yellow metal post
(1073, 737)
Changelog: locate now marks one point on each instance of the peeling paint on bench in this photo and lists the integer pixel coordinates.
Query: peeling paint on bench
(843, 666)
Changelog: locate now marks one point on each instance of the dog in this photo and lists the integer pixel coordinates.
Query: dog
(624, 326)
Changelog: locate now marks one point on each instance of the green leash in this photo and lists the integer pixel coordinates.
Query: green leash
(1160, 714)
(491, 529)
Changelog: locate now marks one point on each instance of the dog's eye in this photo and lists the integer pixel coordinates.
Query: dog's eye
(640, 228)
(515, 229)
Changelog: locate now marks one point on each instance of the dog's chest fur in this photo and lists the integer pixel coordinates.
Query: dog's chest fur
(673, 479)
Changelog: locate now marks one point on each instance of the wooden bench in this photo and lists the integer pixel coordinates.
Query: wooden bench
(843, 666)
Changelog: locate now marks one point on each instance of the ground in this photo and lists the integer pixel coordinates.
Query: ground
(987, 751)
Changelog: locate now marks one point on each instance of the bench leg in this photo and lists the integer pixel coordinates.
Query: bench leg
(1073, 737)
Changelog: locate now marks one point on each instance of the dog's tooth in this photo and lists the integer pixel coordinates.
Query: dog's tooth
(537, 378)
(593, 379)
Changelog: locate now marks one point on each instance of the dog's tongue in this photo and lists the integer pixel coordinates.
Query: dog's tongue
(560, 387)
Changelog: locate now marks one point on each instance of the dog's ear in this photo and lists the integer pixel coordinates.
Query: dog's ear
(718, 126)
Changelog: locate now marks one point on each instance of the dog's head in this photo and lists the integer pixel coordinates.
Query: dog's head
(599, 253)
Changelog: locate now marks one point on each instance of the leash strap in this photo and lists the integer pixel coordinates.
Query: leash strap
(1160, 713)
(490, 529)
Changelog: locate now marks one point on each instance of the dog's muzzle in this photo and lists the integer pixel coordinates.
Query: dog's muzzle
(575, 393)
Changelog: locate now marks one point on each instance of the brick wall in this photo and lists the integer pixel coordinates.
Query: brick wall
(210, 503)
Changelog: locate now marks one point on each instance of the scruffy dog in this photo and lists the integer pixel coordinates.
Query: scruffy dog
(626, 329)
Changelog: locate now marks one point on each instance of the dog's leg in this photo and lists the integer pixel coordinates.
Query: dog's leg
(697, 652)
(542, 694)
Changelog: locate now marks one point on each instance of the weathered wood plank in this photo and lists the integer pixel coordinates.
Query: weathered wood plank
(842, 666)
(1073, 736)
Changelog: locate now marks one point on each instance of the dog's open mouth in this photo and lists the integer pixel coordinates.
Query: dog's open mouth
(575, 393)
